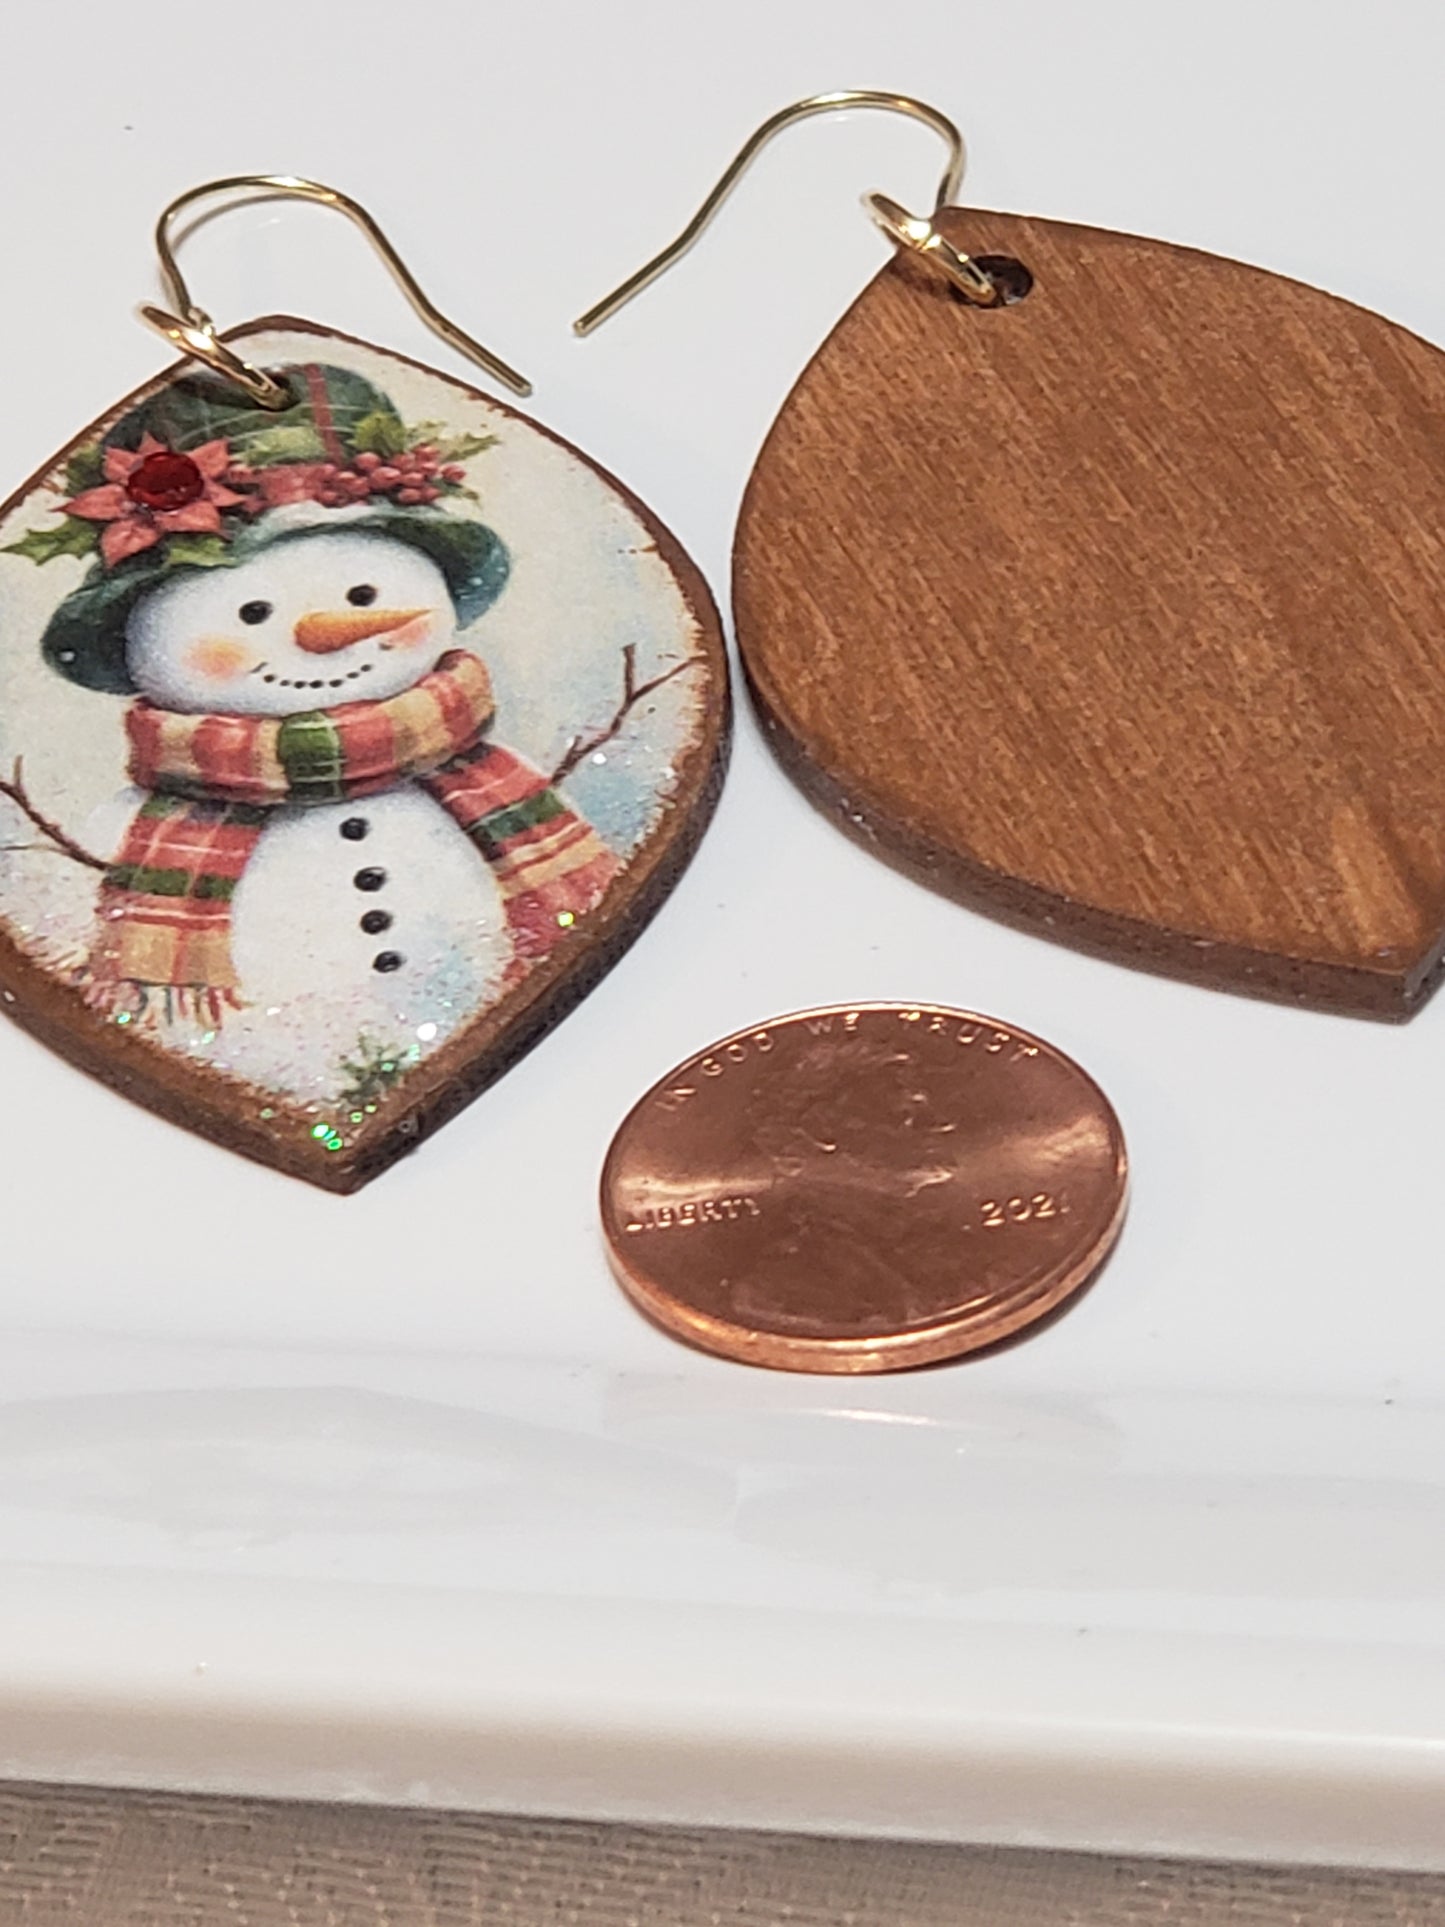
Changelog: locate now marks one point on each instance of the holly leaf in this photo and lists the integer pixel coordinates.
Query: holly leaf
(380, 433)
(462, 447)
(283, 442)
(196, 551)
(85, 469)
(70, 536)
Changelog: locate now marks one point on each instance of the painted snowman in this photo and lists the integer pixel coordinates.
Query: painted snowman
(317, 803)
(334, 893)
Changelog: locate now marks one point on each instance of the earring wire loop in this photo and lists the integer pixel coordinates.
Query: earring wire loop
(912, 231)
(192, 330)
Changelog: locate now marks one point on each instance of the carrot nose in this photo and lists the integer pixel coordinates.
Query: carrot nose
(330, 629)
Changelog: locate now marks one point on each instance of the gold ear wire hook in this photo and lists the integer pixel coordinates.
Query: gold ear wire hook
(192, 330)
(912, 231)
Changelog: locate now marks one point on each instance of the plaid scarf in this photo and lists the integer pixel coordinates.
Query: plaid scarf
(164, 944)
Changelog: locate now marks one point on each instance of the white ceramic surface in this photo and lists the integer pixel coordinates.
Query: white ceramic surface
(394, 1497)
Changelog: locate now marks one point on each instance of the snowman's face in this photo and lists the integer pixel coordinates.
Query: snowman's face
(310, 623)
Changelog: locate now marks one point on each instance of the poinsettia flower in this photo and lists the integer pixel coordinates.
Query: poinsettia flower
(152, 491)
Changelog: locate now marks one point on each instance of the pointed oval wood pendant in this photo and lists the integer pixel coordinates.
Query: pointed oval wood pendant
(1120, 611)
(342, 749)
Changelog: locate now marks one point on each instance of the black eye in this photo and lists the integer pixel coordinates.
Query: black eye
(363, 595)
(254, 611)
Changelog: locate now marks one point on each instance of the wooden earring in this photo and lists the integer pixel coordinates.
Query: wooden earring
(351, 726)
(1099, 582)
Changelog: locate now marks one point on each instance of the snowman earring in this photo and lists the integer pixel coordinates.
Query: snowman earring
(351, 726)
(1098, 582)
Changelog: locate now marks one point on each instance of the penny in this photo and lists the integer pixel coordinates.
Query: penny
(863, 1188)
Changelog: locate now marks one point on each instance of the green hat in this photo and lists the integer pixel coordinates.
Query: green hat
(198, 477)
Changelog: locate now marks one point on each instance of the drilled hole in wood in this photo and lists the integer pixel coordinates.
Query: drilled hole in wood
(1009, 276)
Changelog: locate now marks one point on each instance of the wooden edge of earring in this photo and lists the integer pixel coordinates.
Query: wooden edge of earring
(1385, 995)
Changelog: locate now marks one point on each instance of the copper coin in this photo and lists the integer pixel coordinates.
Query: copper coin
(863, 1188)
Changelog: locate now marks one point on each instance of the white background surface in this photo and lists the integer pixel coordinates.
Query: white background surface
(395, 1496)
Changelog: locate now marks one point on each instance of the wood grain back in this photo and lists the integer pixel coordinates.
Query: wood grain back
(1117, 611)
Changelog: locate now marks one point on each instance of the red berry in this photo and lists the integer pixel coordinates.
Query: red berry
(385, 477)
(429, 494)
(331, 498)
(408, 495)
(454, 472)
(367, 462)
(327, 471)
(427, 452)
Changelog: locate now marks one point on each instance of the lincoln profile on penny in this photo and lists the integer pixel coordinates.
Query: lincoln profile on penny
(318, 799)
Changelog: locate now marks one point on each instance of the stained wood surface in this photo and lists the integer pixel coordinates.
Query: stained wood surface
(1120, 612)
(275, 1131)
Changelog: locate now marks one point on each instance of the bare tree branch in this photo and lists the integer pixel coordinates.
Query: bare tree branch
(67, 846)
(633, 692)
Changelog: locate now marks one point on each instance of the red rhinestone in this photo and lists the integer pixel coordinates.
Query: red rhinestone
(165, 481)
